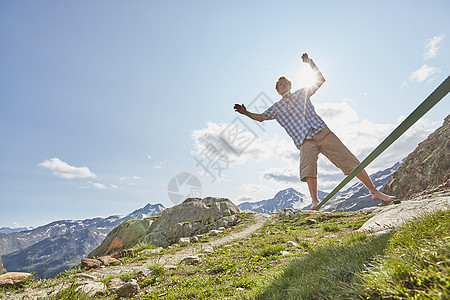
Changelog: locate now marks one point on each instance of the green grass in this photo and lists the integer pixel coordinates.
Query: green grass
(411, 263)
(417, 263)
(330, 261)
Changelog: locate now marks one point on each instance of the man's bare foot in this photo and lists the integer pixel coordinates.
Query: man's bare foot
(385, 199)
(314, 204)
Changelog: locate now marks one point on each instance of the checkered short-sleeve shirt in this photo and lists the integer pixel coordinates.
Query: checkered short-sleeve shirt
(297, 116)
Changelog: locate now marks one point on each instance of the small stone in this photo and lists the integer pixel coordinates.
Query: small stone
(291, 244)
(124, 253)
(151, 251)
(86, 276)
(227, 246)
(208, 249)
(170, 267)
(90, 263)
(91, 287)
(107, 260)
(311, 221)
(214, 232)
(221, 228)
(184, 240)
(194, 238)
(116, 282)
(256, 234)
(241, 289)
(191, 260)
(285, 253)
(129, 289)
(145, 273)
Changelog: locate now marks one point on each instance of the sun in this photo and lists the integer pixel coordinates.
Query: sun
(306, 77)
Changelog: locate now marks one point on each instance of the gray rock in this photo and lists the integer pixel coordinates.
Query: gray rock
(394, 215)
(116, 282)
(256, 234)
(129, 289)
(2, 269)
(145, 273)
(192, 217)
(86, 276)
(208, 250)
(221, 228)
(184, 240)
(291, 244)
(191, 260)
(214, 232)
(285, 253)
(91, 287)
(151, 251)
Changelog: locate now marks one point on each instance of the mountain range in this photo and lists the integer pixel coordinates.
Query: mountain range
(354, 198)
(288, 198)
(10, 230)
(55, 247)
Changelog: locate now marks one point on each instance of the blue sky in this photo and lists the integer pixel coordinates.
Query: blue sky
(103, 103)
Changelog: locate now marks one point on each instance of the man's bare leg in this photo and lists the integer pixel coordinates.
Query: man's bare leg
(312, 186)
(376, 194)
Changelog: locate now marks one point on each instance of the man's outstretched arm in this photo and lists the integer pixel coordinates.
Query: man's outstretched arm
(240, 108)
(320, 78)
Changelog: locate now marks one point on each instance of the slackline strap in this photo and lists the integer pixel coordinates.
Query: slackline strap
(423, 108)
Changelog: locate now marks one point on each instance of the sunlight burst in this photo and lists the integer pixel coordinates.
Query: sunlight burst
(306, 77)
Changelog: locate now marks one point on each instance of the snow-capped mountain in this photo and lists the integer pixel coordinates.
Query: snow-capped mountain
(10, 230)
(55, 247)
(358, 196)
(147, 211)
(288, 198)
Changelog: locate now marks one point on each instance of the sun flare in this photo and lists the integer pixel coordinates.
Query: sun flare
(306, 77)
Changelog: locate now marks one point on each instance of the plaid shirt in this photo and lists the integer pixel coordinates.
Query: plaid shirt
(297, 116)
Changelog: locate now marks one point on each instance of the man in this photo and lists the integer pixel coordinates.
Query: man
(296, 114)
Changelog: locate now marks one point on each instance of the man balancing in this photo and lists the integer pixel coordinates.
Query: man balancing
(297, 116)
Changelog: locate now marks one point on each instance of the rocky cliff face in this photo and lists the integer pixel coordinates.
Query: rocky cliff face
(2, 269)
(193, 216)
(426, 168)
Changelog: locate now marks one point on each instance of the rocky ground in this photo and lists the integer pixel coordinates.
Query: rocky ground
(384, 218)
(390, 216)
(90, 280)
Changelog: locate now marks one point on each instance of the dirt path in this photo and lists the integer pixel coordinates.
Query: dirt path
(175, 258)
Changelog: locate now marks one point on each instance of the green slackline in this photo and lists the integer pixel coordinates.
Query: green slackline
(422, 109)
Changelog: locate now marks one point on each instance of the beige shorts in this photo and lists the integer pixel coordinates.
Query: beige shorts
(327, 143)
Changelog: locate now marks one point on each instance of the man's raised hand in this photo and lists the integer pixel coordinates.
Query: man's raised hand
(240, 108)
(305, 58)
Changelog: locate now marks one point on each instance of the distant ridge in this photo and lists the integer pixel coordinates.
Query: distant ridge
(55, 247)
(288, 198)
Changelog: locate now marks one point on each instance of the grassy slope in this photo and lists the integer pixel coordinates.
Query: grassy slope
(330, 261)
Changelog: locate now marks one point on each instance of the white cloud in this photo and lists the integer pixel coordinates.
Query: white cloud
(230, 144)
(287, 175)
(17, 225)
(432, 46)
(99, 186)
(64, 170)
(423, 74)
(102, 186)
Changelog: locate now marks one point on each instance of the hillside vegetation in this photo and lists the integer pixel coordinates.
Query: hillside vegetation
(317, 255)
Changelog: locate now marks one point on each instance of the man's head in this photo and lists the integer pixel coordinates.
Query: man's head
(283, 85)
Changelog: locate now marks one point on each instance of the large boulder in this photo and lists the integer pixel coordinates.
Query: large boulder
(192, 217)
(426, 168)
